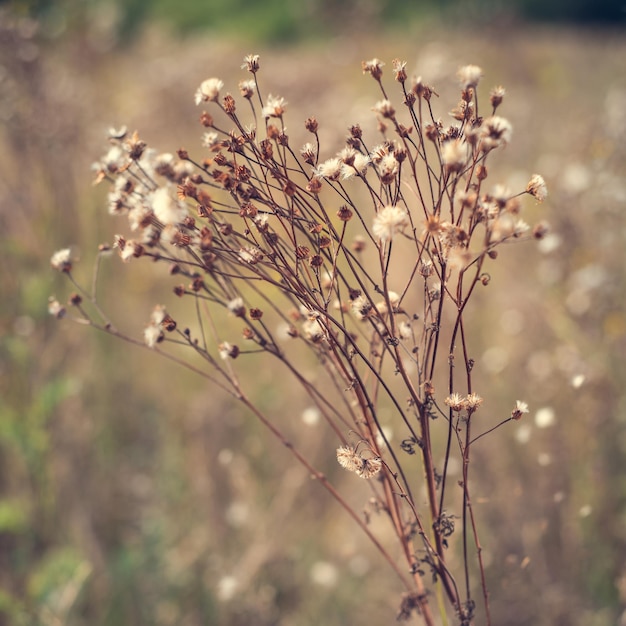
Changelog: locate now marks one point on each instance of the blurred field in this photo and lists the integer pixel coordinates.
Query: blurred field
(132, 494)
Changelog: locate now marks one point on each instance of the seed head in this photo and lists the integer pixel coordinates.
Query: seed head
(389, 221)
(519, 410)
(274, 107)
(373, 67)
(209, 90)
(496, 96)
(469, 75)
(351, 460)
(537, 187)
(61, 260)
(251, 63)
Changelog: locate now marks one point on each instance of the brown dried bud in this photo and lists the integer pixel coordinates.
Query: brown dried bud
(183, 155)
(344, 213)
(311, 125)
(302, 252)
(481, 172)
(206, 119)
(256, 314)
(229, 104)
(75, 299)
(540, 230)
(179, 290)
(314, 185)
(316, 261)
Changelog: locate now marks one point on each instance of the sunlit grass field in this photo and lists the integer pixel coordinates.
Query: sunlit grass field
(133, 493)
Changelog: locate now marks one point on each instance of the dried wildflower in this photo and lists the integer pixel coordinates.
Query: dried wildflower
(212, 141)
(313, 330)
(361, 307)
(389, 221)
(495, 132)
(209, 90)
(237, 307)
(165, 208)
(537, 187)
(454, 155)
(61, 260)
(330, 169)
(351, 460)
(519, 410)
(55, 308)
(373, 67)
(250, 255)
(274, 107)
(399, 69)
(388, 168)
(247, 88)
(358, 166)
(469, 76)
(473, 401)
(456, 402)
(309, 153)
(496, 96)
(251, 63)
(384, 108)
(152, 335)
(228, 351)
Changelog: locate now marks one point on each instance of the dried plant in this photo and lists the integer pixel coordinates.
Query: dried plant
(364, 262)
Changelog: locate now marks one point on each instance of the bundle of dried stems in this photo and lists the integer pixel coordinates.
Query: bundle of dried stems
(367, 260)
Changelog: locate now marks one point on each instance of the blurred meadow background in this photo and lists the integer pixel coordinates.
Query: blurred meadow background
(132, 493)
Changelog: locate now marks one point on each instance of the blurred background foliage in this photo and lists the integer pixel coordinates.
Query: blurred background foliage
(130, 493)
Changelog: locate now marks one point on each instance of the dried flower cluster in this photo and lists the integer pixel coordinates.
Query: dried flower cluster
(367, 257)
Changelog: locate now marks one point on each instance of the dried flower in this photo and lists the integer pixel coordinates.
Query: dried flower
(274, 107)
(456, 402)
(351, 460)
(454, 155)
(389, 221)
(495, 132)
(228, 351)
(537, 187)
(152, 335)
(496, 96)
(55, 308)
(373, 67)
(209, 90)
(251, 63)
(473, 401)
(519, 410)
(330, 169)
(166, 209)
(61, 260)
(469, 75)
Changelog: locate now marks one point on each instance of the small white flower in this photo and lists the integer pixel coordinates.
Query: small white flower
(209, 90)
(211, 140)
(274, 106)
(152, 335)
(55, 308)
(61, 260)
(166, 209)
(519, 410)
(495, 132)
(384, 108)
(389, 221)
(454, 155)
(469, 75)
(361, 307)
(330, 169)
(537, 187)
